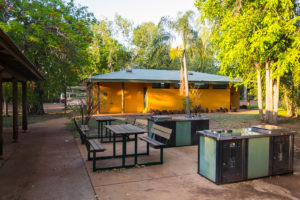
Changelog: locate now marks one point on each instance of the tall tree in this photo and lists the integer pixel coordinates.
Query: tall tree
(188, 35)
(54, 35)
(253, 38)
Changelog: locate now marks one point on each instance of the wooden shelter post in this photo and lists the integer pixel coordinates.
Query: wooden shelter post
(123, 98)
(24, 106)
(1, 117)
(15, 109)
(98, 97)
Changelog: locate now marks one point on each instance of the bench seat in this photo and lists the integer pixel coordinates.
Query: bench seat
(96, 145)
(161, 132)
(154, 143)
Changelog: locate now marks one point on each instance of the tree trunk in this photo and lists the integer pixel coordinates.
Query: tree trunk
(182, 82)
(248, 98)
(259, 93)
(245, 93)
(276, 99)
(186, 82)
(270, 92)
(271, 97)
(267, 119)
(110, 64)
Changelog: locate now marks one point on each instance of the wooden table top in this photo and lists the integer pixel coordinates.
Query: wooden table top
(126, 129)
(104, 118)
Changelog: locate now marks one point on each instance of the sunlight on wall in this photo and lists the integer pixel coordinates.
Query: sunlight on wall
(162, 99)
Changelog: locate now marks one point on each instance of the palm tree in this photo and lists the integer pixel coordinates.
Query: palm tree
(182, 25)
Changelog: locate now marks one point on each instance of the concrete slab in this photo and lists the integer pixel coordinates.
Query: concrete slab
(177, 178)
(45, 164)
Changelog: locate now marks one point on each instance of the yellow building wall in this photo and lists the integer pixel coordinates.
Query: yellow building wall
(161, 99)
(211, 98)
(164, 99)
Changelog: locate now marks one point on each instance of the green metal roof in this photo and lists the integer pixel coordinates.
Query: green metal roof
(153, 76)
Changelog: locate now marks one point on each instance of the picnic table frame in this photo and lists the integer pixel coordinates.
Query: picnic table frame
(123, 130)
(101, 121)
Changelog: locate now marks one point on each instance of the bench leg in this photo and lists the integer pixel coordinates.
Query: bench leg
(108, 131)
(81, 138)
(135, 149)
(147, 148)
(114, 145)
(161, 160)
(88, 150)
(101, 134)
(94, 161)
(98, 129)
(124, 150)
(161, 155)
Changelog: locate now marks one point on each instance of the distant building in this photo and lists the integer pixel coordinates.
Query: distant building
(297, 7)
(140, 90)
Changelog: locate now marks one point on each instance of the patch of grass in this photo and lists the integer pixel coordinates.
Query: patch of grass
(288, 121)
(253, 106)
(217, 117)
(283, 112)
(227, 120)
(8, 121)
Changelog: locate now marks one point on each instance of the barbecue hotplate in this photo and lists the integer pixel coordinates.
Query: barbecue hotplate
(230, 133)
(160, 117)
(223, 131)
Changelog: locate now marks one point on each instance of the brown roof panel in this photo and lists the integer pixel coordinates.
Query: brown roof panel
(15, 61)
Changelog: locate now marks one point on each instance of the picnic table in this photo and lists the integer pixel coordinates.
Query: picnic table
(125, 130)
(101, 121)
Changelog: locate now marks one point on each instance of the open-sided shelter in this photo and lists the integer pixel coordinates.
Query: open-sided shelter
(15, 67)
(140, 90)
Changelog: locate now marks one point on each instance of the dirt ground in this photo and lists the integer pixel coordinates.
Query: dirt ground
(46, 164)
(177, 178)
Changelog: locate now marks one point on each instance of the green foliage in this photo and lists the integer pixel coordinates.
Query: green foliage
(152, 46)
(54, 35)
(105, 53)
(249, 32)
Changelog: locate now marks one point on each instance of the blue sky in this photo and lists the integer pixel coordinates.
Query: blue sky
(137, 10)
